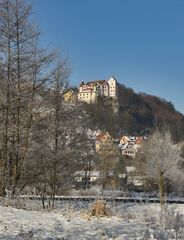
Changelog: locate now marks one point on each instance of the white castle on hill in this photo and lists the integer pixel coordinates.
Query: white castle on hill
(90, 91)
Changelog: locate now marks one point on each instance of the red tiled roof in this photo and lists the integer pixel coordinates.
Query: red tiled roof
(100, 136)
(138, 140)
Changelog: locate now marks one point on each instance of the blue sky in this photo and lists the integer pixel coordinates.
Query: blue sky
(140, 42)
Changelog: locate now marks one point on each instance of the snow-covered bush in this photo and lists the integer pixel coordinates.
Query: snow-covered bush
(170, 228)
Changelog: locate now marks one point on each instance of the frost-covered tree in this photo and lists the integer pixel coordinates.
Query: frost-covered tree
(161, 160)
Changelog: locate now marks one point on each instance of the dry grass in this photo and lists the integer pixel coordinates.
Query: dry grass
(100, 209)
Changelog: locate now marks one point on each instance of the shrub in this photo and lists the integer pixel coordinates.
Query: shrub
(100, 209)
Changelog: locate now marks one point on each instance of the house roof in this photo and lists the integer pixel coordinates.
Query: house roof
(97, 81)
(138, 140)
(125, 139)
(101, 135)
(68, 90)
(81, 84)
(114, 78)
(101, 82)
(123, 147)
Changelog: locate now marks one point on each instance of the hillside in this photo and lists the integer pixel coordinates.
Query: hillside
(138, 114)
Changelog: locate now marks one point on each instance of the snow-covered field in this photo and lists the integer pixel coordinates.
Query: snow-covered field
(129, 221)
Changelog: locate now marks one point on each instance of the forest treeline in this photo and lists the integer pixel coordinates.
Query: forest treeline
(139, 114)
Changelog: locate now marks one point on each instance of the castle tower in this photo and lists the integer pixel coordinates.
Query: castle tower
(112, 87)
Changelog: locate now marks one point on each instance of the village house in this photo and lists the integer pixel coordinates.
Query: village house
(90, 91)
(103, 140)
(129, 150)
(70, 95)
(92, 176)
(129, 145)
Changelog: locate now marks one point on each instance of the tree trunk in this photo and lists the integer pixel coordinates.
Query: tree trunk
(161, 189)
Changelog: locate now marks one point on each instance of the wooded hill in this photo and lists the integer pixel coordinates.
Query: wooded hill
(137, 114)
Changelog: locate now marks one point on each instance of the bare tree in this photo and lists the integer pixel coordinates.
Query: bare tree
(58, 140)
(42, 138)
(108, 156)
(25, 69)
(59, 82)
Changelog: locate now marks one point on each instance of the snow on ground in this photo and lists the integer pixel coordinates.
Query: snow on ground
(70, 223)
